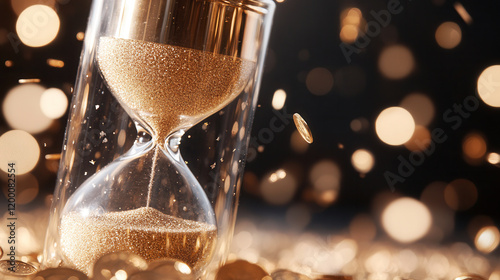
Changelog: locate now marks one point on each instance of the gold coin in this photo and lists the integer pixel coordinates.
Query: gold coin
(303, 128)
(241, 270)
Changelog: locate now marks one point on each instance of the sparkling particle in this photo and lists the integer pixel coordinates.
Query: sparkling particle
(92, 161)
(303, 128)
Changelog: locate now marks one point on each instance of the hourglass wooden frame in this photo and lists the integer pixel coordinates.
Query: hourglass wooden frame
(128, 111)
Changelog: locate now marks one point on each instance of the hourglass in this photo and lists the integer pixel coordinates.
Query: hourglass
(169, 64)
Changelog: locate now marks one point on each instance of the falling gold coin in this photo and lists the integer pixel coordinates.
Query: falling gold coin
(303, 128)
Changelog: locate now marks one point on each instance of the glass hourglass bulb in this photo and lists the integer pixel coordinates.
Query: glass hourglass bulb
(147, 201)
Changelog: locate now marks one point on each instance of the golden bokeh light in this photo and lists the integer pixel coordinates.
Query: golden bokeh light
(488, 86)
(396, 62)
(53, 103)
(37, 25)
(350, 22)
(395, 126)
(9, 63)
(19, 147)
(420, 140)
(493, 158)
(29, 81)
(349, 33)
(477, 223)
(406, 220)
(495, 275)
(362, 160)
(55, 63)
(80, 36)
(279, 99)
(474, 147)
(359, 124)
(460, 194)
(21, 109)
(325, 177)
(462, 12)
(448, 35)
(420, 107)
(278, 187)
(487, 239)
(319, 81)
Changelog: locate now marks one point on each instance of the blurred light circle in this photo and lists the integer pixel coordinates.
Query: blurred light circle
(21, 109)
(325, 177)
(420, 107)
(19, 147)
(477, 223)
(420, 140)
(279, 99)
(448, 35)
(349, 33)
(406, 220)
(494, 158)
(359, 124)
(460, 194)
(20, 5)
(37, 25)
(319, 81)
(487, 239)
(278, 187)
(474, 147)
(54, 103)
(394, 126)
(351, 16)
(488, 86)
(362, 160)
(396, 62)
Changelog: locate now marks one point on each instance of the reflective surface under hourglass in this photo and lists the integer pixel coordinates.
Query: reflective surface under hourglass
(170, 64)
